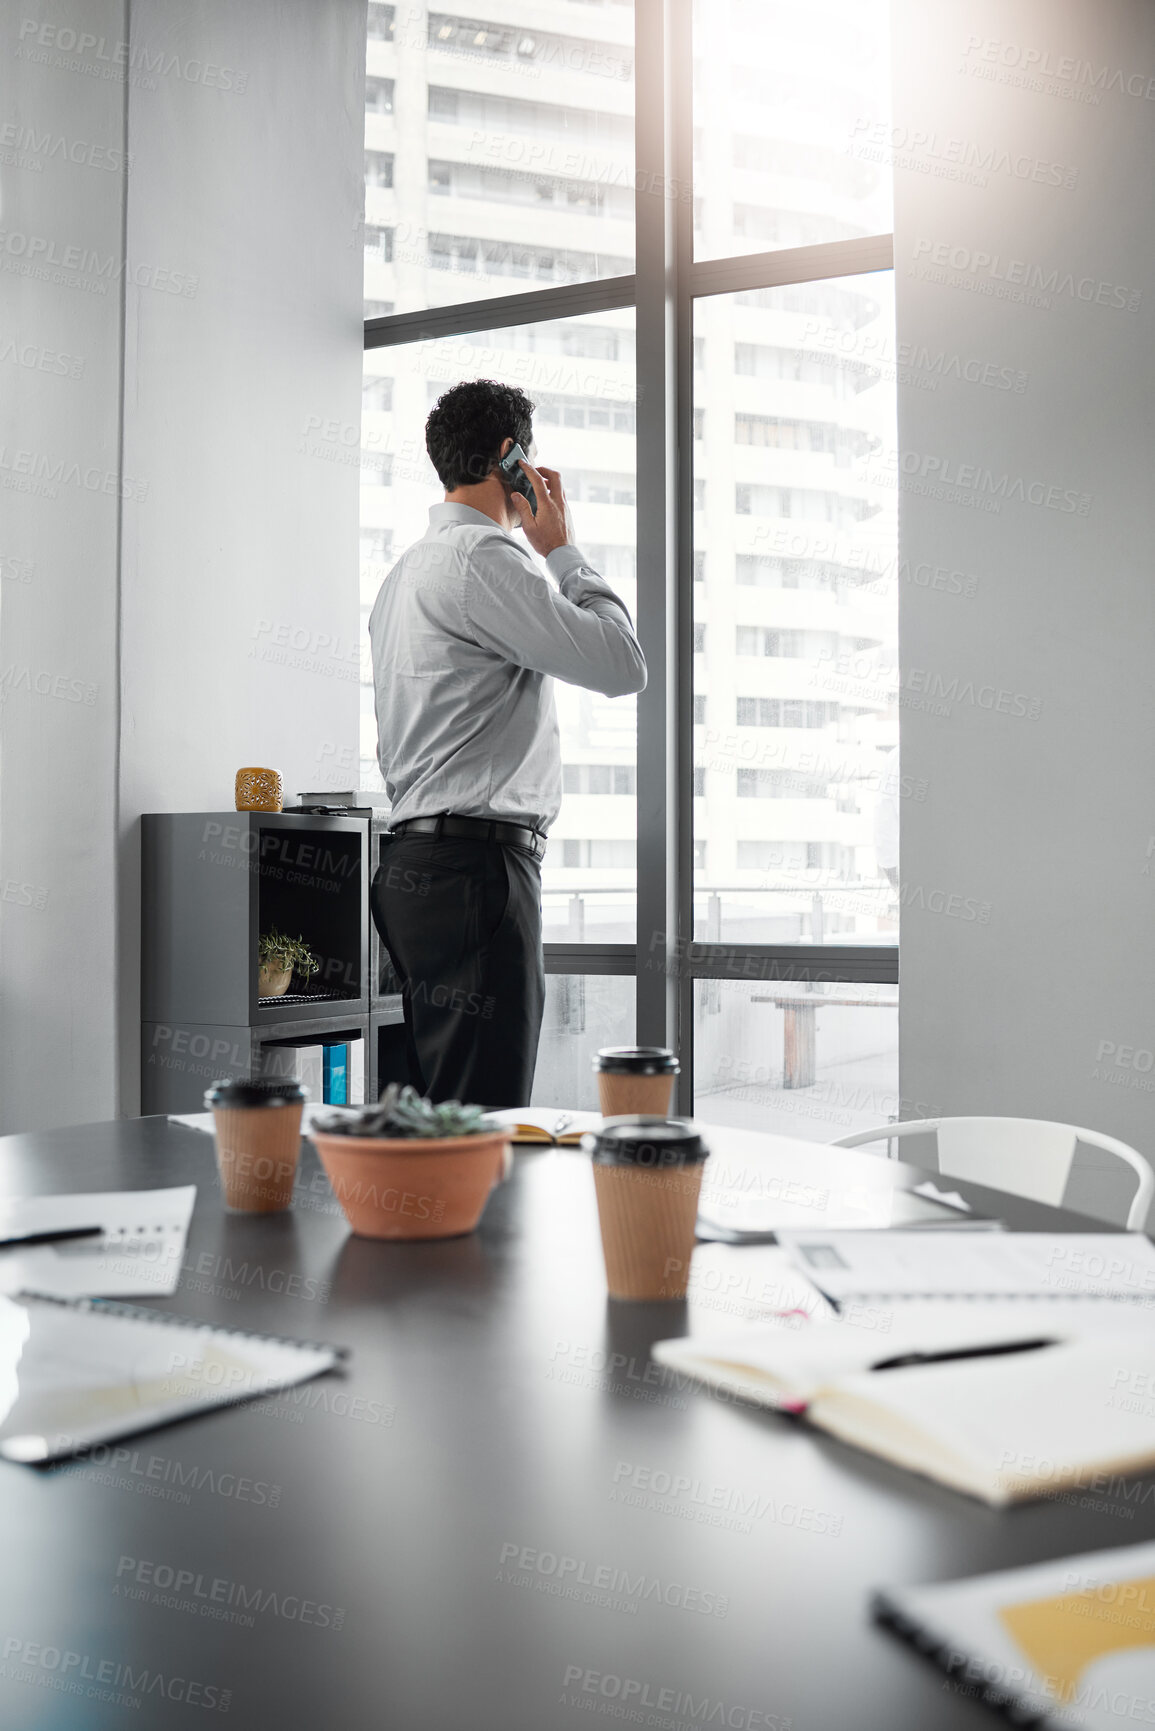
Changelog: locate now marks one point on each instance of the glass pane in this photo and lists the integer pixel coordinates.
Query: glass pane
(818, 1062)
(579, 373)
(582, 1013)
(498, 156)
(796, 777)
(792, 137)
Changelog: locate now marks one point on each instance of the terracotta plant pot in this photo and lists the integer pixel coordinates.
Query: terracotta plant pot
(412, 1187)
(273, 982)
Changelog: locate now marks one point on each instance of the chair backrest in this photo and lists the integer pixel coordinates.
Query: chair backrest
(1028, 1157)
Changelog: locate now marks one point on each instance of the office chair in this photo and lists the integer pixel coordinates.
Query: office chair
(1028, 1157)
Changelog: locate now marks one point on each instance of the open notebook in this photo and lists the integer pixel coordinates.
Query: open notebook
(996, 1401)
(1068, 1643)
(76, 1373)
(548, 1124)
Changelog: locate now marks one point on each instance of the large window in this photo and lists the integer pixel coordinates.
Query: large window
(499, 156)
(580, 373)
(804, 562)
(791, 123)
(723, 876)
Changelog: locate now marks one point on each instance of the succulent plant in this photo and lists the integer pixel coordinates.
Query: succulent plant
(275, 948)
(401, 1114)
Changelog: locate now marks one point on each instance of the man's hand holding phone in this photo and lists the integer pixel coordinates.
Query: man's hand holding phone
(553, 526)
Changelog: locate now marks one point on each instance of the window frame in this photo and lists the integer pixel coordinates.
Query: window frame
(666, 960)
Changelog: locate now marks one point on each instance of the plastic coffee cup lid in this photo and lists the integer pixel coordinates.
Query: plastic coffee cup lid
(643, 1141)
(637, 1061)
(245, 1094)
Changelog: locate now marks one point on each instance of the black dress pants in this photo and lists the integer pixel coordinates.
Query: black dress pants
(461, 921)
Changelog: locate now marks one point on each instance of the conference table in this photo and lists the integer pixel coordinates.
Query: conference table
(502, 1515)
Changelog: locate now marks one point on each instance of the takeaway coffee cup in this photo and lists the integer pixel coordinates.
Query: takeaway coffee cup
(635, 1079)
(258, 1136)
(647, 1174)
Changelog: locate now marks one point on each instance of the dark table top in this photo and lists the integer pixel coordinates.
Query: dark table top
(489, 1521)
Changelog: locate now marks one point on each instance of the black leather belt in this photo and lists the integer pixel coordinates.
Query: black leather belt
(476, 829)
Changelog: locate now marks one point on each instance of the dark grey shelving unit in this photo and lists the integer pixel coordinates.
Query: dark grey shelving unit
(211, 883)
(386, 1057)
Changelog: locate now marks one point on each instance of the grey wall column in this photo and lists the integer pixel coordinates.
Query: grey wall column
(664, 228)
(240, 632)
(1028, 925)
(61, 290)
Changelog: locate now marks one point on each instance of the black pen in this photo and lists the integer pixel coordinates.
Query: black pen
(999, 1350)
(53, 1237)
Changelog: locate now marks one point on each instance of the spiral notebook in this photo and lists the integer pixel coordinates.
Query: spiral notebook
(1069, 1643)
(75, 1373)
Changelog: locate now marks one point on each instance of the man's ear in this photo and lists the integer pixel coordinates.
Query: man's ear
(506, 447)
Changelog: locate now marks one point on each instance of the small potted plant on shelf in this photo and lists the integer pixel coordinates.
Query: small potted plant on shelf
(277, 958)
(405, 1168)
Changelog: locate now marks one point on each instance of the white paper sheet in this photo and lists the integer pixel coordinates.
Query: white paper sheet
(140, 1249)
(961, 1265)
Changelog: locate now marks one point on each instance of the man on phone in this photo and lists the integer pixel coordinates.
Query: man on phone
(467, 637)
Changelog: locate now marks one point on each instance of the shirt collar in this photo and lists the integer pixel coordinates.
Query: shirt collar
(447, 512)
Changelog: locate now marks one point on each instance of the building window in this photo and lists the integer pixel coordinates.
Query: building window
(699, 782)
(511, 117)
(811, 504)
(595, 489)
(598, 855)
(376, 393)
(379, 168)
(378, 95)
(761, 640)
(699, 711)
(699, 565)
(845, 444)
(784, 712)
(599, 778)
(509, 258)
(616, 564)
(767, 571)
(699, 856)
(513, 187)
(490, 41)
(592, 413)
(378, 244)
(767, 856)
(380, 22)
(699, 639)
(780, 784)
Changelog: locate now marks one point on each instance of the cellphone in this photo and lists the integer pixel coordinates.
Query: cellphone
(515, 475)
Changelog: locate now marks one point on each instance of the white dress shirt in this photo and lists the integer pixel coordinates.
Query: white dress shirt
(467, 638)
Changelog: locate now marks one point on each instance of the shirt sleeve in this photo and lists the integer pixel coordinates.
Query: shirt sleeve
(579, 632)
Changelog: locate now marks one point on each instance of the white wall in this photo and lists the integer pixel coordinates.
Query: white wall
(238, 604)
(61, 213)
(240, 640)
(1043, 818)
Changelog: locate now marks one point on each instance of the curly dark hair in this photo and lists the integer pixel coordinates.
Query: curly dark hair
(467, 425)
